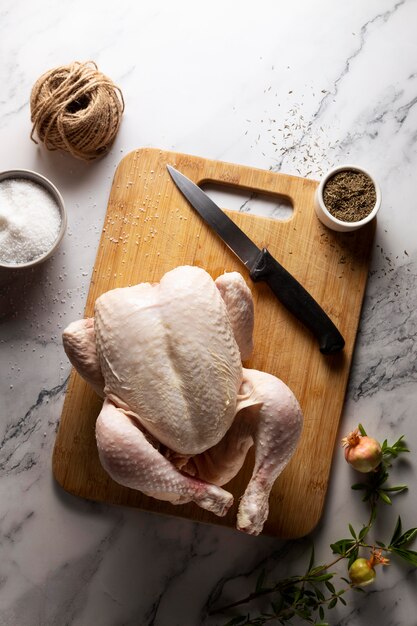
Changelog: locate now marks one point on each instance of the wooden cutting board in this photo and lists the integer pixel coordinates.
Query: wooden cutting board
(149, 229)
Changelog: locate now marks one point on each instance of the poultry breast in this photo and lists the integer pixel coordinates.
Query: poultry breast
(180, 412)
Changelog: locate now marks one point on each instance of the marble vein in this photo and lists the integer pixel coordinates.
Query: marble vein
(220, 596)
(172, 577)
(15, 531)
(20, 431)
(333, 92)
(387, 358)
(75, 575)
(289, 94)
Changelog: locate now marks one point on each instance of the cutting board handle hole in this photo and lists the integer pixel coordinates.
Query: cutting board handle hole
(246, 201)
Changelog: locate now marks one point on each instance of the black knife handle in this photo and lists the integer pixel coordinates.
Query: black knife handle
(298, 301)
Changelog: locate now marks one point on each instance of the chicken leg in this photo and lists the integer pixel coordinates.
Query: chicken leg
(269, 417)
(131, 460)
(276, 421)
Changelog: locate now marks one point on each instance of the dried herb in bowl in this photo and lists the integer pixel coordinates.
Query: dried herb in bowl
(349, 195)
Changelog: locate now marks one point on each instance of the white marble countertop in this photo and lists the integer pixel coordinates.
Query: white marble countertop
(221, 82)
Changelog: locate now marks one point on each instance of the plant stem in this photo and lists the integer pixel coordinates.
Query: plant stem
(256, 594)
(302, 595)
(298, 579)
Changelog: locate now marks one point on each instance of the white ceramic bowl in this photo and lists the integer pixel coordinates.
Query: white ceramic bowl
(324, 214)
(53, 191)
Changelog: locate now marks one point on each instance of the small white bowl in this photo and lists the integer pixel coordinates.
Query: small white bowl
(324, 214)
(53, 191)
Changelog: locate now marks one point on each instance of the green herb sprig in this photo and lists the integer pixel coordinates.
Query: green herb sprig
(307, 597)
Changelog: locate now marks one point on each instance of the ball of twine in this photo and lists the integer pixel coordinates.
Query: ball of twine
(76, 108)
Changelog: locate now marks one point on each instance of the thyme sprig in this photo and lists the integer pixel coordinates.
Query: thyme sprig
(308, 596)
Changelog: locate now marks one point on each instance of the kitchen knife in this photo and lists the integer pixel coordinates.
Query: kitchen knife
(262, 266)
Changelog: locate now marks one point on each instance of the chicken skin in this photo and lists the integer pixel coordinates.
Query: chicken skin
(180, 412)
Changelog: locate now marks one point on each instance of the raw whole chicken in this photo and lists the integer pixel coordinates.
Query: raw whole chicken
(180, 412)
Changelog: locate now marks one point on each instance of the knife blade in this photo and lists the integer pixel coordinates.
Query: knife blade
(263, 266)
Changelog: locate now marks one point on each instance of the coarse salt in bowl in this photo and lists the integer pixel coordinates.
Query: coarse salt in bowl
(33, 218)
(326, 217)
